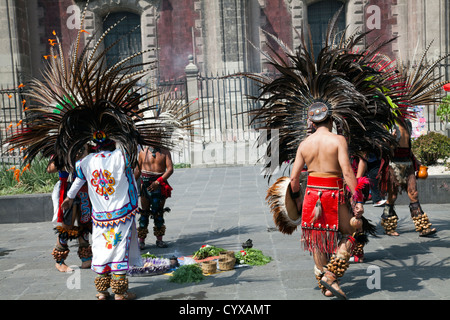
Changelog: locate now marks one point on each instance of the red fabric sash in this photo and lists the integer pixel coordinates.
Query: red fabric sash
(320, 219)
(62, 195)
(166, 189)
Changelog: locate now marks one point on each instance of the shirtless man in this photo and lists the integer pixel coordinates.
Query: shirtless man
(325, 212)
(155, 168)
(401, 177)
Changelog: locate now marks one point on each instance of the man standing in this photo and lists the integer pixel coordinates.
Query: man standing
(154, 167)
(401, 176)
(113, 193)
(324, 209)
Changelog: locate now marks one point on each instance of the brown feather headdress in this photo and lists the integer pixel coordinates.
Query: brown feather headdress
(83, 100)
(347, 81)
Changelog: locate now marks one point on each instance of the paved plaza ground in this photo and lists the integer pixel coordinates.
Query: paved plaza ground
(225, 207)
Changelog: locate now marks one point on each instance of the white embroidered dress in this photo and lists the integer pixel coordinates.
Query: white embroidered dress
(114, 197)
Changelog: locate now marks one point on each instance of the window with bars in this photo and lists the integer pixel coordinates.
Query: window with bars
(319, 15)
(129, 31)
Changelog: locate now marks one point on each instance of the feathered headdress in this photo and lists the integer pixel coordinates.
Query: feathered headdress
(423, 85)
(83, 100)
(341, 83)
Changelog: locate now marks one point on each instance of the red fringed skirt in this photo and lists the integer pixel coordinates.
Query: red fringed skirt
(320, 219)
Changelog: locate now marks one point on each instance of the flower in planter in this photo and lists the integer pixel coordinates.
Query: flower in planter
(17, 173)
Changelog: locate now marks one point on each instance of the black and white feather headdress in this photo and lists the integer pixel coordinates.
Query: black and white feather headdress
(82, 100)
(345, 80)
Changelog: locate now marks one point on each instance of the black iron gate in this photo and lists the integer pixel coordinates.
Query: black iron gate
(12, 106)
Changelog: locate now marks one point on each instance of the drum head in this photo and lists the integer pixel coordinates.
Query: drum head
(291, 205)
(283, 206)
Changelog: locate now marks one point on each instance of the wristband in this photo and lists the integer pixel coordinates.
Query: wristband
(160, 180)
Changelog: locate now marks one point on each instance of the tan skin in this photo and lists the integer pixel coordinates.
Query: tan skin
(362, 168)
(161, 164)
(326, 154)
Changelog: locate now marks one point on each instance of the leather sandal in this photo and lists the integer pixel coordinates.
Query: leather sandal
(428, 232)
(327, 281)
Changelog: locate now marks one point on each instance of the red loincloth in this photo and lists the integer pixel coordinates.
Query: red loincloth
(321, 234)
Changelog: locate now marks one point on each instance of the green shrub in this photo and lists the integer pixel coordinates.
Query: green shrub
(20, 180)
(443, 111)
(431, 147)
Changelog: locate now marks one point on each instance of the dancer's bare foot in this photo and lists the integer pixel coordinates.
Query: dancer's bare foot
(62, 267)
(86, 264)
(328, 294)
(126, 296)
(104, 295)
(393, 233)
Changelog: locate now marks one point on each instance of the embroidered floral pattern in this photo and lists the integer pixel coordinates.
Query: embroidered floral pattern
(104, 183)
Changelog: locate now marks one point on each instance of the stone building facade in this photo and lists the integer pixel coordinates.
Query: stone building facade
(210, 38)
(221, 35)
(215, 37)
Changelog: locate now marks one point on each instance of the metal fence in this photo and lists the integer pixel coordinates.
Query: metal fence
(224, 104)
(181, 154)
(12, 104)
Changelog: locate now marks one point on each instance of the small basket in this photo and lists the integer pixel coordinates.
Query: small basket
(227, 263)
(209, 267)
(226, 254)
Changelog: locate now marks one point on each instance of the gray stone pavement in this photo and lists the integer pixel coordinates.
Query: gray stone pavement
(224, 207)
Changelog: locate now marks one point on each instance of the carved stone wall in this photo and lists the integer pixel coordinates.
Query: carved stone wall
(221, 35)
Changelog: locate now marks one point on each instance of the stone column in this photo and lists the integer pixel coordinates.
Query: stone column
(191, 71)
(196, 148)
(15, 50)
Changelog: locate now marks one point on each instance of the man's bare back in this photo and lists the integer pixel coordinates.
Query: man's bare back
(404, 141)
(324, 153)
(320, 151)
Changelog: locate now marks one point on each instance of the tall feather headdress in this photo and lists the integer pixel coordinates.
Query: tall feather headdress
(423, 84)
(342, 81)
(81, 99)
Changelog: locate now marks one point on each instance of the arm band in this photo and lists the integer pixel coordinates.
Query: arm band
(160, 180)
